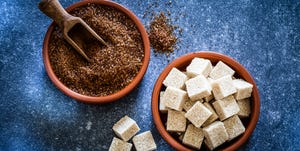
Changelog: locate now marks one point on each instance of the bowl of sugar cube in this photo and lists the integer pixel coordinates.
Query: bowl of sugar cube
(205, 101)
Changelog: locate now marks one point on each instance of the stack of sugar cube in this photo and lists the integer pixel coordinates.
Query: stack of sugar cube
(125, 129)
(204, 103)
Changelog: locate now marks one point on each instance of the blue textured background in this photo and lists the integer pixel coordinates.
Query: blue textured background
(264, 36)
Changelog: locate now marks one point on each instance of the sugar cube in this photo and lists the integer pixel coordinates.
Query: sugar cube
(226, 107)
(193, 137)
(174, 98)
(244, 89)
(245, 107)
(117, 145)
(176, 121)
(175, 78)
(220, 70)
(198, 87)
(215, 134)
(234, 127)
(144, 142)
(223, 87)
(199, 66)
(125, 128)
(198, 114)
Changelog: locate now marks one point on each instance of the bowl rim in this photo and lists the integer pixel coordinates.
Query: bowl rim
(213, 55)
(99, 99)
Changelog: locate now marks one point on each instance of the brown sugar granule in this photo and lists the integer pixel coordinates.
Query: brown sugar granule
(161, 35)
(111, 67)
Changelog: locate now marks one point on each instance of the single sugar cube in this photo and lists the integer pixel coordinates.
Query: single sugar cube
(193, 137)
(162, 107)
(221, 70)
(117, 145)
(198, 114)
(245, 107)
(223, 87)
(214, 115)
(174, 98)
(215, 134)
(226, 107)
(175, 78)
(234, 127)
(198, 88)
(144, 142)
(189, 103)
(244, 89)
(199, 66)
(176, 121)
(125, 128)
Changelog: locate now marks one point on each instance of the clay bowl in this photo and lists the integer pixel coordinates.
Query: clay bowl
(100, 99)
(181, 63)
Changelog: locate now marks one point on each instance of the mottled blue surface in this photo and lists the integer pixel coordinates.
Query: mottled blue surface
(264, 36)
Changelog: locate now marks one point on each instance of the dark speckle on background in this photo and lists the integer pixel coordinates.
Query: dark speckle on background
(264, 36)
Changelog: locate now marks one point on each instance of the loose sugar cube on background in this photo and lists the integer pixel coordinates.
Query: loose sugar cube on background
(198, 114)
(144, 142)
(119, 145)
(174, 98)
(226, 107)
(175, 78)
(198, 87)
(199, 66)
(125, 128)
(221, 70)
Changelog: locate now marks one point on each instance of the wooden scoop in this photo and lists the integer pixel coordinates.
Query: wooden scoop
(75, 30)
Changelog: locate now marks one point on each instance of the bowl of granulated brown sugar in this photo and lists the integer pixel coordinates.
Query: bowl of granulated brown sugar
(113, 70)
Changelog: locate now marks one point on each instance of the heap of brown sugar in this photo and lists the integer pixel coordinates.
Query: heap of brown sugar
(161, 35)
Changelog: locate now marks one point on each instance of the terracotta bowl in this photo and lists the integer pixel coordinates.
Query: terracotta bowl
(181, 63)
(100, 99)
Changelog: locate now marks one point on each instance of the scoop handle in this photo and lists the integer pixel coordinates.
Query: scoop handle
(54, 10)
